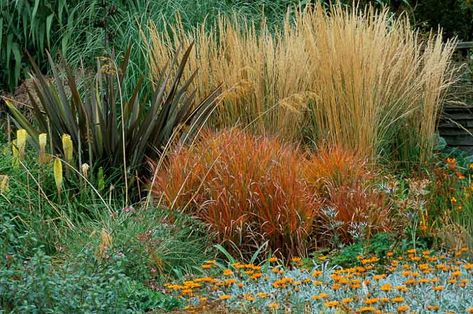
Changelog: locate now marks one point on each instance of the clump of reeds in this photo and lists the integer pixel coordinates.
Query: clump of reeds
(347, 77)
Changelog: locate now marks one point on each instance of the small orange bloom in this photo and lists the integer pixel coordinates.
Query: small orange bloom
(273, 305)
(403, 308)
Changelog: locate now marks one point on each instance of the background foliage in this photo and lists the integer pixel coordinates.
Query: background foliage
(83, 30)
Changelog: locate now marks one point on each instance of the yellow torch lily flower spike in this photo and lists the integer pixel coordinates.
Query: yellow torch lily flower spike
(21, 136)
(85, 170)
(43, 140)
(68, 147)
(58, 178)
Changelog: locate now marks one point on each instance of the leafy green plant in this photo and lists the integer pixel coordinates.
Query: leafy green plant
(26, 24)
(37, 285)
(106, 129)
(154, 244)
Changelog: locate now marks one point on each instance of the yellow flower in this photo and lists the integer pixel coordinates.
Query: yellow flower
(397, 299)
(410, 282)
(443, 267)
(433, 307)
(331, 303)
(355, 285)
(403, 308)
(85, 169)
(347, 300)
(21, 136)
(316, 273)
(366, 309)
(187, 292)
(249, 298)
(273, 259)
(273, 305)
(456, 273)
(67, 147)
(57, 169)
(296, 259)
(401, 288)
(227, 272)
(424, 266)
(256, 276)
(323, 295)
(262, 295)
(439, 288)
(386, 287)
(224, 297)
(371, 301)
(43, 141)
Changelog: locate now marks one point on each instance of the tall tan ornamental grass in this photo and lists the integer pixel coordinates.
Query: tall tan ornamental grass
(359, 79)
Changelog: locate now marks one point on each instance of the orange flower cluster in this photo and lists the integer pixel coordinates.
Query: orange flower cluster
(371, 287)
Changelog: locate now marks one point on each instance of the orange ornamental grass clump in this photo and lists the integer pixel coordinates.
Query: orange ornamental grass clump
(253, 189)
(333, 167)
(361, 211)
(248, 189)
(345, 181)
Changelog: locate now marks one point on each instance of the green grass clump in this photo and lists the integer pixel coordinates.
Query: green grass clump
(154, 244)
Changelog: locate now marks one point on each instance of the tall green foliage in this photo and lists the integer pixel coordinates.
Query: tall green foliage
(35, 26)
(107, 128)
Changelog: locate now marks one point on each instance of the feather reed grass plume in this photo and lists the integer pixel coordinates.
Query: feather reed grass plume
(346, 77)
